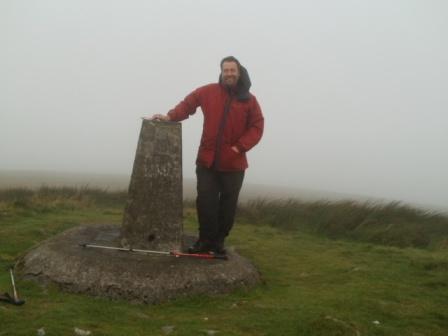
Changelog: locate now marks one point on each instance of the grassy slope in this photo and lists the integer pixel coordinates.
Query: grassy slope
(312, 285)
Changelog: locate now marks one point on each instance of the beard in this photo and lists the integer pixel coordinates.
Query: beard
(230, 81)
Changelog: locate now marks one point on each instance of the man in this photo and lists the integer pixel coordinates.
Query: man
(233, 124)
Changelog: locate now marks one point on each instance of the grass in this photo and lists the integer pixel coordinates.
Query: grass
(317, 279)
(391, 224)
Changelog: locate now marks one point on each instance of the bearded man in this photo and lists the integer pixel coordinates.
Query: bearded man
(233, 124)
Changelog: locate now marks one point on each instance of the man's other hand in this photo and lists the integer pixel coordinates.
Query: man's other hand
(235, 149)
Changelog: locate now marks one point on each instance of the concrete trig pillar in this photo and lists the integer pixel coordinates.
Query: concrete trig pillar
(153, 213)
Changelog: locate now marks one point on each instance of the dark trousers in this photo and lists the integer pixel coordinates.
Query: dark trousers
(216, 202)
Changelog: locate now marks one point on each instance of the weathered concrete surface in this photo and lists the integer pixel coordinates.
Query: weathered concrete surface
(130, 276)
(153, 213)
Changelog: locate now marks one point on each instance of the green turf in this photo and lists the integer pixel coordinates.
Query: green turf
(312, 285)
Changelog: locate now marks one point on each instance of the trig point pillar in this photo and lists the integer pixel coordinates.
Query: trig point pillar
(153, 213)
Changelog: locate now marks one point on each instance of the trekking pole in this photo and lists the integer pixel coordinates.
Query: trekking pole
(15, 298)
(176, 254)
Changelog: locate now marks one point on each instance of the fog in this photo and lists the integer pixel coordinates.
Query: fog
(354, 93)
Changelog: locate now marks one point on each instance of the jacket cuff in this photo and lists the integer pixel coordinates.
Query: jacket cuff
(171, 115)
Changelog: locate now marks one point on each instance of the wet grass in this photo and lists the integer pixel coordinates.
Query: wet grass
(314, 283)
(392, 224)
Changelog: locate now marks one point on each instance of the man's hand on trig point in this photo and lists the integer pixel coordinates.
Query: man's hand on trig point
(159, 117)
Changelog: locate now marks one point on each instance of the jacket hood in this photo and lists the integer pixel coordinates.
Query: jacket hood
(242, 87)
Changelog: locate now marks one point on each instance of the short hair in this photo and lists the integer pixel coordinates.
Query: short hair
(231, 59)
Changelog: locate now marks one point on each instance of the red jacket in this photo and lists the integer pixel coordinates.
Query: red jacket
(243, 126)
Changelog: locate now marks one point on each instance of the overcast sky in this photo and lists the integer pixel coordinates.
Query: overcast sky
(354, 92)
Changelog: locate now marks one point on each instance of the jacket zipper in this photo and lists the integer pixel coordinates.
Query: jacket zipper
(217, 160)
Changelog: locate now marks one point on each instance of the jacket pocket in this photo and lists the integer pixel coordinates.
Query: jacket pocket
(230, 160)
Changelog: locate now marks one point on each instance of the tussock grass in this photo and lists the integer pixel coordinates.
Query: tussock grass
(50, 198)
(392, 224)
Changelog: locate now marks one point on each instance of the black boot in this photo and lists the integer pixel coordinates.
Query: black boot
(218, 248)
(200, 246)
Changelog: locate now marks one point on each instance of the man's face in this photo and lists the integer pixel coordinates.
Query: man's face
(230, 73)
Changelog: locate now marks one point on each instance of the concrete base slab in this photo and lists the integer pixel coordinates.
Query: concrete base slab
(130, 276)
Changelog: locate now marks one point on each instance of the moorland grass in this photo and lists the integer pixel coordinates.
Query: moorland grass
(56, 197)
(313, 283)
(391, 224)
